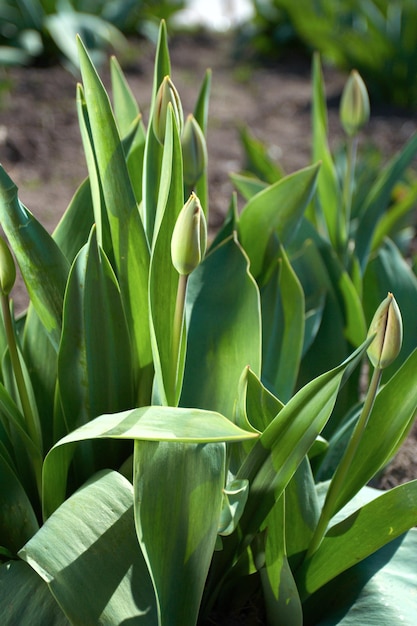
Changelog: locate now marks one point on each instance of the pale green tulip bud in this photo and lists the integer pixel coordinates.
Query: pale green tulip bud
(194, 151)
(354, 105)
(7, 269)
(387, 327)
(189, 238)
(167, 94)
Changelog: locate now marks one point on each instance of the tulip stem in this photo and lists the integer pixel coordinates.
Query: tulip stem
(340, 474)
(177, 331)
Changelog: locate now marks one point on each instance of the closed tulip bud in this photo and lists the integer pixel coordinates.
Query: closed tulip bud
(388, 330)
(354, 105)
(167, 94)
(7, 269)
(189, 238)
(194, 151)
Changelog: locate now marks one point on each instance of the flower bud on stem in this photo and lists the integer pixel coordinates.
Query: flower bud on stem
(188, 246)
(386, 330)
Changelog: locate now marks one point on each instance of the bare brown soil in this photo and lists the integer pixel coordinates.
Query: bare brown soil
(40, 144)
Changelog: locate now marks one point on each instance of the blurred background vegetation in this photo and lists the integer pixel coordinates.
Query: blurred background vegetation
(376, 37)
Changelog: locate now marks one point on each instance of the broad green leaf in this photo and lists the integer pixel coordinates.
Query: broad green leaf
(17, 518)
(302, 512)
(163, 279)
(88, 554)
(360, 534)
(125, 106)
(379, 590)
(25, 598)
(95, 375)
(283, 329)
(154, 423)
(282, 602)
(222, 305)
(75, 225)
(329, 196)
(177, 523)
(282, 446)
(393, 413)
(44, 268)
(378, 199)
(258, 160)
(277, 209)
(130, 246)
(247, 186)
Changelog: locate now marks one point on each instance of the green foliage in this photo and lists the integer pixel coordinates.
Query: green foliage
(161, 433)
(44, 30)
(376, 37)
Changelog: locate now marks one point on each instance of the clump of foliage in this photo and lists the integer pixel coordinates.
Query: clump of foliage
(377, 37)
(43, 31)
(182, 424)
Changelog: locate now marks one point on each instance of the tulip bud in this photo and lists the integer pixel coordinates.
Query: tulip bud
(7, 269)
(194, 151)
(167, 94)
(189, 238)
(354, 105)
(388, 330)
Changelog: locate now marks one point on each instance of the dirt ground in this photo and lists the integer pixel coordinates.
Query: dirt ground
(40, 144)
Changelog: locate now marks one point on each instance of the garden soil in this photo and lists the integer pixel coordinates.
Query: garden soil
(40, 144)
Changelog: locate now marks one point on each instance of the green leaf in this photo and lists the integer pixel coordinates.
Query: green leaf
(258, 160)
(360, 534)
(127, 114)
(163, 279)
(201, 115)
(329, 196)
(75, 225)
(283, 329)
(222, 304)
(389, 271)
(381, 588)
(393, 413)
(88, 554)
(17, 519)
(130, 247)
(154, 423)
(153, 149)
(25, 598)
(247, 186)
(177, 522)
(94, 360)
(282, 602)
(235, 495)
(126, 109)
(277, 209)
(282, 446)
(378, 199)
(43, 266)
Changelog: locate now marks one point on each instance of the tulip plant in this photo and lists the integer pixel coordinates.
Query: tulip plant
(164, 456)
